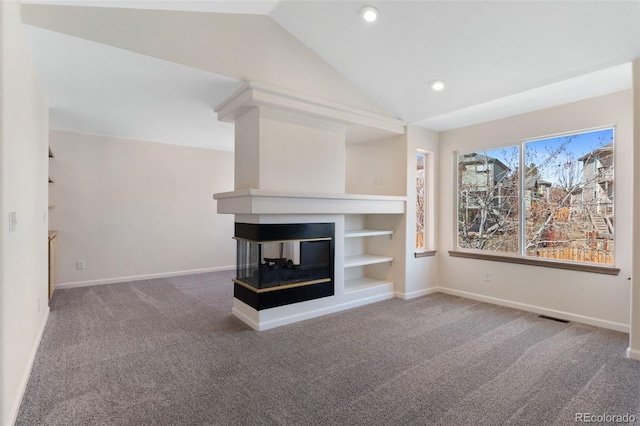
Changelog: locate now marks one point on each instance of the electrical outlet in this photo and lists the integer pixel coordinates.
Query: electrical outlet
(487, 276)
(38, 305)
(378, 181)
(80, 264)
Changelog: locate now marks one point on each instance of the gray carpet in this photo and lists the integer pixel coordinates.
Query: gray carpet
(168, 352)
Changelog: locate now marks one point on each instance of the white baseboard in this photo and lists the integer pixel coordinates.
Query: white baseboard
(238, 312)
(75, 284)
(633, 354)
(539, 310)
(406, 296)
(417, 293)
(15, 407)
(290, 319)
(322, 311)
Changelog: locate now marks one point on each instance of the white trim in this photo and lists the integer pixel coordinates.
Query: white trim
(633, 354)
(75, 284)
(15, 408)
(320, 195)
(539, 310)
(258, 94)
(259, 201)
(417, 293)
(243, 312)
(238, 312)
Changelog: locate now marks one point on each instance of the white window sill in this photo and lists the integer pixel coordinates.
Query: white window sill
(424, 253)
(596, 269)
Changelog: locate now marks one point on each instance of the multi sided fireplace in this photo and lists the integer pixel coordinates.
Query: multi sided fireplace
(280, 264)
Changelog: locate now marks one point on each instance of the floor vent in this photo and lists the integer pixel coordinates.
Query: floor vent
(554, 319)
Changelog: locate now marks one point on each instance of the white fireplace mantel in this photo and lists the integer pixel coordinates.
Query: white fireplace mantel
(360, 126)
(258, 202)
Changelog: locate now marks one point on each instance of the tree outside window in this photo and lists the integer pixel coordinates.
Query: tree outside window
(421, 201)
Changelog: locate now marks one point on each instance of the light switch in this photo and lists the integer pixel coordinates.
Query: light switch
(13, 220)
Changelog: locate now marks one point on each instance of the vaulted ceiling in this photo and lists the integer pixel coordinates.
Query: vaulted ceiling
(154, 70)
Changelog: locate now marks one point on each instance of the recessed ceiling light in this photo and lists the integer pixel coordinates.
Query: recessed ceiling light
(438, 85)
(369, 13)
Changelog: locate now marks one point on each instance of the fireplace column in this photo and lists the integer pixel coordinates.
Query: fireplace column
(290, 162)
(285, 151)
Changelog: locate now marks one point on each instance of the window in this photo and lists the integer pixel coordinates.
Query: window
(566, 211)
(488, 202)
(424, 225)
(421, 201)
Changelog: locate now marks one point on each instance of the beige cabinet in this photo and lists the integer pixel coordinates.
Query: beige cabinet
(53, 261)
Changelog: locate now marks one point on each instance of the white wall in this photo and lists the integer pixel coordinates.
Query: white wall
(634, 334)
(421, 274)
(593, 298)
(300, 154)
(284, 151)
(247, 150)
(131, 209)
(23, 154)
(376, 168)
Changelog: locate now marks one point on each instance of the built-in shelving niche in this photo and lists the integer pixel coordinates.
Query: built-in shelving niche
(368, 258)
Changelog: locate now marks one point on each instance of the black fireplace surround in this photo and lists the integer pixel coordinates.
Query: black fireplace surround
(280, 264)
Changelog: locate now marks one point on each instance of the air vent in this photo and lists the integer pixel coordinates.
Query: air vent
(554, 319)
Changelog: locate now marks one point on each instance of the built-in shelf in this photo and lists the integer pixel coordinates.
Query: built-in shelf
(355, 233)
(363, 283)
(362, 243)
(365, 259)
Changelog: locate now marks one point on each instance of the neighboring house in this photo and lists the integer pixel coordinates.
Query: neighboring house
(484, 184)
(595, 194)
(536, 189)
(481, 170)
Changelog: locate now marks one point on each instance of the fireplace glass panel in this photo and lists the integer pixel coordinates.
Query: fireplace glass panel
(279, 263)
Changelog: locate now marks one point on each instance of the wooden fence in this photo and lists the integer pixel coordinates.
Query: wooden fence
(596, 254)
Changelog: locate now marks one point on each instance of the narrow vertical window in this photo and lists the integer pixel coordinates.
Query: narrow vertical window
(421, 201)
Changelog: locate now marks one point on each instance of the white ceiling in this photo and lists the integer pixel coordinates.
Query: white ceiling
(485, 50)
(260, 7)
(98, 89)
(499, 59)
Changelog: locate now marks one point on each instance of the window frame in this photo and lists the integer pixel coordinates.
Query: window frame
(520, 256)
(429, 204)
